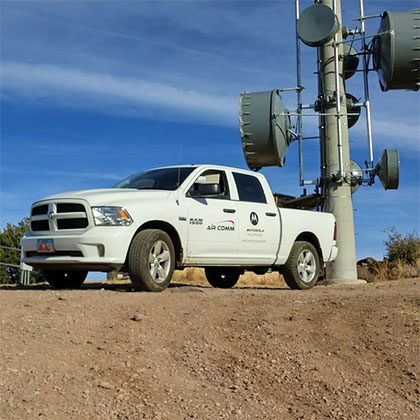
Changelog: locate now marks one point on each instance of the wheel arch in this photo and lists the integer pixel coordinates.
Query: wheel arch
(312, 239)
(170, 231)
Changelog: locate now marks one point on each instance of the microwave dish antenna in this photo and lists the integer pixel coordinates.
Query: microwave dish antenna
(317, 25)
(265, 129)
(350, 60)
(388, 169)
(396, 51)
(356, 176)
(353, 110)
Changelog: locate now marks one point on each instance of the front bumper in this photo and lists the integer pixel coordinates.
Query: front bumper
(101, 248)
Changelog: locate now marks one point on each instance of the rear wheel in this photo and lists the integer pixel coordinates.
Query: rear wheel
(301, 270)
(65, 279)
(151, 260)
(223, 278)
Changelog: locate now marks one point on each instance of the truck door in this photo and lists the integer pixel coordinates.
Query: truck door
(259, 222)
(212, 220)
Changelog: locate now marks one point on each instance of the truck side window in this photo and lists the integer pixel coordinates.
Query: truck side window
(213, 177)
(249, 188)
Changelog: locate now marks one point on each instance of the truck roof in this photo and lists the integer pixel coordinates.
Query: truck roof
(209, 165)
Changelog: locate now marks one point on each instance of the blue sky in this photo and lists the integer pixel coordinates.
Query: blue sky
(92, 91)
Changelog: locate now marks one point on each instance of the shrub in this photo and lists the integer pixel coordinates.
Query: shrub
(9, 254)
(403, 249)
(402, 260)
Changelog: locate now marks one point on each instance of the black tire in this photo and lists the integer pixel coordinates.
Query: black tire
(222, 278)
(301, 270)
(151, 260)
(59, 279)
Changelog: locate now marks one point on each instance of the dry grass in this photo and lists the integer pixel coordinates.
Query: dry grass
(196, 276)
(402, 270)
(386, 270)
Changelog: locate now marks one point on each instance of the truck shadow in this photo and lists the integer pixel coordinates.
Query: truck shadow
(128, 288)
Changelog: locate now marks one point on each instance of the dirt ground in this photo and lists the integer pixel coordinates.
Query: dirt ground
(194, 352)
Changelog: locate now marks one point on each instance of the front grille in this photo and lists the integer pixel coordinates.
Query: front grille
(54, 216)
(36, 211)
(54, 254)
(70, 208)
(37, 225)
(79, 223)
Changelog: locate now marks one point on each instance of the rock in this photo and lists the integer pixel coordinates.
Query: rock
(138, 317)
(411, 375)
(105, 385)
(187, 289)
(366, 262)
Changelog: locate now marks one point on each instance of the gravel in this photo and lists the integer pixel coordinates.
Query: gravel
(247, 353)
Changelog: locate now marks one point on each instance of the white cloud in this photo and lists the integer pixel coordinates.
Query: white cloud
(400, 133)
(67, 174)
(71, 87)
(403, 135)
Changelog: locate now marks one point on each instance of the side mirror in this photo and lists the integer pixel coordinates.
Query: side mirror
(206, 190)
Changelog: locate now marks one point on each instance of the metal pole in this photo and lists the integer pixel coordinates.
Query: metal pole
(338, 90)
(299, 98)
(321, 127)
(366, 84)
(334, 136)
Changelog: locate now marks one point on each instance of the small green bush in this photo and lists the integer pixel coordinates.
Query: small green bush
(9, 253)
(403, 249)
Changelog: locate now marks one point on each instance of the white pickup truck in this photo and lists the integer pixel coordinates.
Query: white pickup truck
(223, 219)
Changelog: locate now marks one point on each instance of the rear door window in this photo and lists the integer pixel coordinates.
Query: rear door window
(249, 188)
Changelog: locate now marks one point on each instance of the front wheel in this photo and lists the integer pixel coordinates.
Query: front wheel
(301, 270)
(151, 260)
(222, 278)
(65, 279)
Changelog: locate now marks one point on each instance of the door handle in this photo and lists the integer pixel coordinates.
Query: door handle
(271, 214)
(229, 210)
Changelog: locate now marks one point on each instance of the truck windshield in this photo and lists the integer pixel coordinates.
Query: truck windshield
(157, 179)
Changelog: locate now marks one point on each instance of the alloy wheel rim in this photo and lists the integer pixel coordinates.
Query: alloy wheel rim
(306, 266)
(159, 261)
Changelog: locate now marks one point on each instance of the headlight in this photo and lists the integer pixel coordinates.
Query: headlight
(111, 216)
